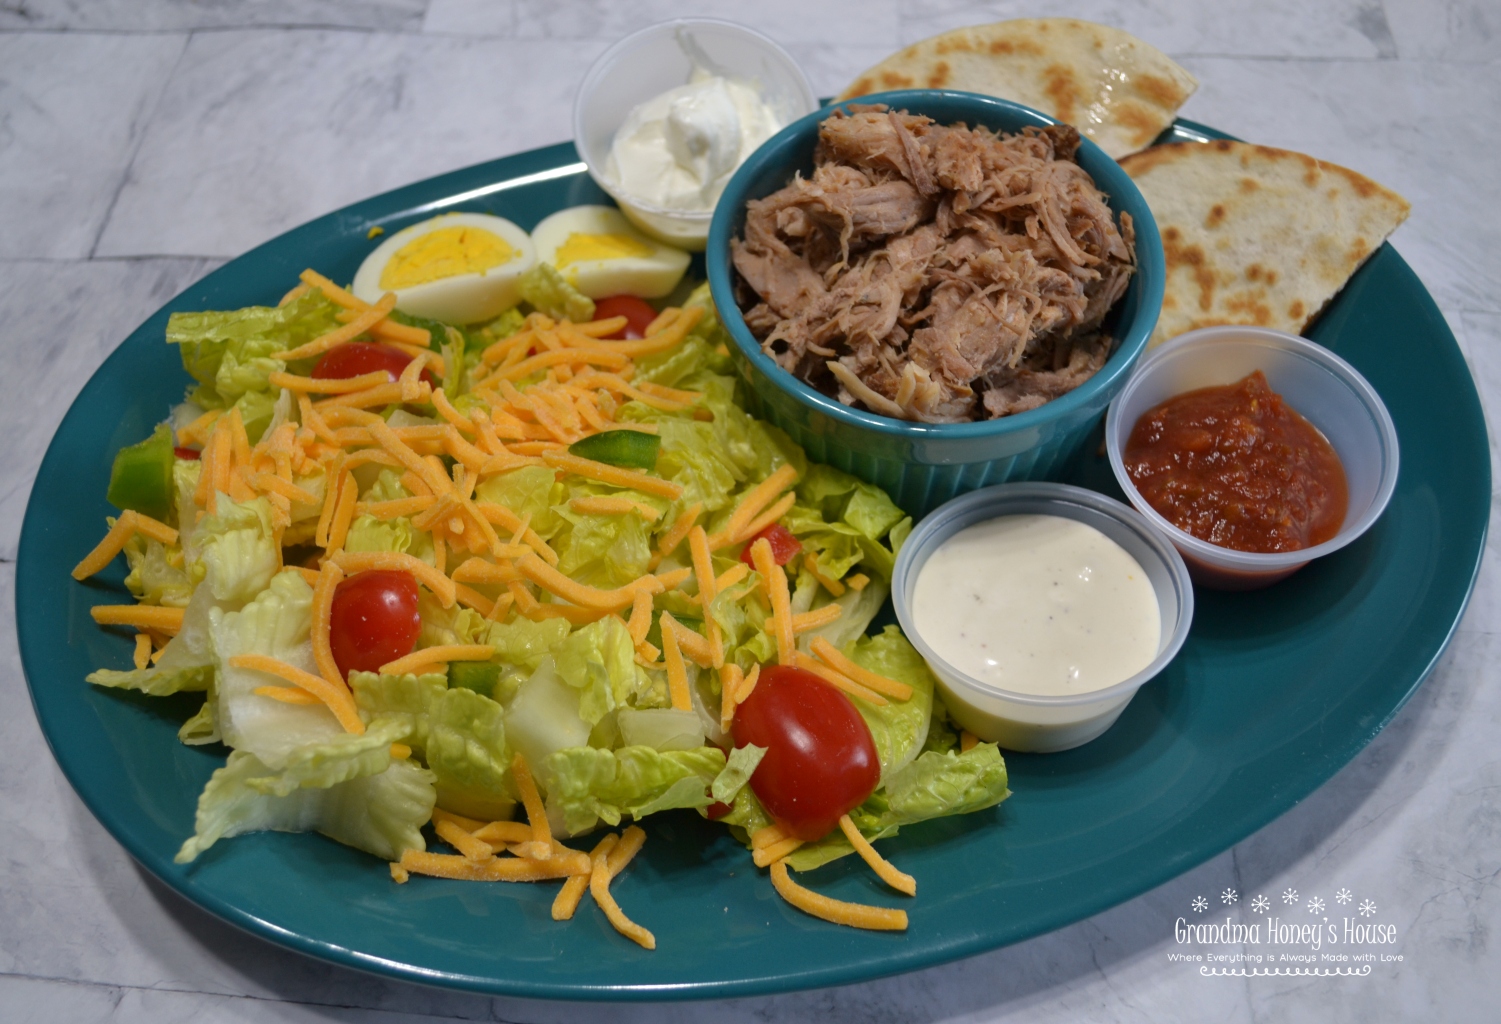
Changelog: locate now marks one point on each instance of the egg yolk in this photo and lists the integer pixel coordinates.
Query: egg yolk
(446, 252)
(580, 248)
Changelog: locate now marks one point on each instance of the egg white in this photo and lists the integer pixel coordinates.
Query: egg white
(462, 298)
(649, 276)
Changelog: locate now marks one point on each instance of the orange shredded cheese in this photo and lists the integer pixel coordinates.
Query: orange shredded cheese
(327, 385)
(338, 698)
(128, 525)
(803, 622)
(775, 851)
(690, 642)
(831, 656)
(142, 655)
(967, 740)
(613, 475)
(359, 325)
(599, 888)
(554, 582)
(731, 576)
(833, 586)
(146, 616)
(329, 578)
(677, 672)
(898, 880)
(343, 517)
(286, 694)
(859, 581)
(468, 846)
(361, 561)
(496, 869)
(614, 505)
(758, 497)
(768, 836)
(730, 678)
(439, 655)
(855, 915)
(781, 601)
(567, 900)
(640, 621)
(703, 568)
(838, 679)
(748, 685)
(536, 814)
(678, 532)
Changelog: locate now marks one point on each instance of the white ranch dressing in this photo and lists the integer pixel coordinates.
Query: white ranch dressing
(1037, 604)
(678, 150)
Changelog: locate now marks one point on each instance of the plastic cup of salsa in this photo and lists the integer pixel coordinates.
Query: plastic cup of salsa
(1320, 386)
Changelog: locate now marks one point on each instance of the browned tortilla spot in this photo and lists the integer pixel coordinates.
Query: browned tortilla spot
(892, 80)
(1160, 89)
(1296, 310)
(940, 76)
(1063, 89)
(1216, 216)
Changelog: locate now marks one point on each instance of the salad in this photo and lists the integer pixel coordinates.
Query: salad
(494, 587)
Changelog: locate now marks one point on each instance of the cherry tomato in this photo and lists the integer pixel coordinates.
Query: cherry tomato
(820, 759)
(638, 315)
(187, 453)
(783, 545)
(374, 620)
(718, 809)
(360, 357)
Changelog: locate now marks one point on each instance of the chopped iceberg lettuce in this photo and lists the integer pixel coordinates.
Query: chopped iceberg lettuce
(382, 814)
(586, 785)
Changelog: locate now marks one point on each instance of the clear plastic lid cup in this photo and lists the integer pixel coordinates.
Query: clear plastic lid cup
(1036, 722)
(653, 60)
(1319, 385)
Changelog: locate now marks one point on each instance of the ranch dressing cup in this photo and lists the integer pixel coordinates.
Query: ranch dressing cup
(1031, 721)
(660, 57)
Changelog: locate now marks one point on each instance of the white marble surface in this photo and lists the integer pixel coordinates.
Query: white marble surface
(142, 142)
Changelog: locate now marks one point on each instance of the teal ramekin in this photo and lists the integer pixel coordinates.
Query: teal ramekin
(923, 465)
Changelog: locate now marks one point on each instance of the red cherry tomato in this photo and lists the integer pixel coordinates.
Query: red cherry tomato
(783, 545)
(820, 759)
(638, 315)
(374, 620)
(718, 809)
(187, 453)
(360, 357)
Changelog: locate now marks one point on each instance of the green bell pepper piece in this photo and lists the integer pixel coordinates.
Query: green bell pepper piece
(633, 449)
(479, 676)
(141, 478)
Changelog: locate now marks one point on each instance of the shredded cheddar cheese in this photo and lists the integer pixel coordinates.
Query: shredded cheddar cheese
(898, 880)
(339, 700)
(536, 814)
(855, 915)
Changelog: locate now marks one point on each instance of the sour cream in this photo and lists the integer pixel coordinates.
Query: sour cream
(1037, 604)
(678, 150)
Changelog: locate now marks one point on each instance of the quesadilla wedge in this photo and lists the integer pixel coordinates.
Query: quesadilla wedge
(1256, 235)
(1117, 90)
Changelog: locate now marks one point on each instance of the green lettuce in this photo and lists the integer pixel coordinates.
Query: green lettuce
(898, 727)
(187, 662)
(387, 696)
(544, 715)
(157, 573)
(525, 490)
(599, 660)
(605, 551)
(550, 293)
(741, 765)
(235, 549)
(381, 813)
(586, 785)
(277, 624)
(658, 728)
(466, 750)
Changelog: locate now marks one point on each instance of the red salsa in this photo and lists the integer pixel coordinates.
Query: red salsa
(1235, 466)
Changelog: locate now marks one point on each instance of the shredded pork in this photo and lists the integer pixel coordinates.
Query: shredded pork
(935, 273)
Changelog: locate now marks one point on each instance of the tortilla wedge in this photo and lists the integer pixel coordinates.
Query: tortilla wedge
(1255, 235)
(1117, 90)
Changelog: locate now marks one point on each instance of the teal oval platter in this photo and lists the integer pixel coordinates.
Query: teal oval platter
(1273, 692)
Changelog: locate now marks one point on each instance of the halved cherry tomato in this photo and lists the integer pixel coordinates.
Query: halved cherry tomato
(187, 453)
(374, 620)
(820, 759)
(360, 357)
(638, 315)
(718, 809)
(783, 545)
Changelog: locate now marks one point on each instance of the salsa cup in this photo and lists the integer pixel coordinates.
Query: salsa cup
(922, 465)
(1028, 721)
(1319, 385)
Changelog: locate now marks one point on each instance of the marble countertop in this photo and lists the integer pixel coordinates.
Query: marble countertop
(144, 142)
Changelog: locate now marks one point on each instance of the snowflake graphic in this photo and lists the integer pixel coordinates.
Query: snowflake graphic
(1229, 896)
(1367, 908)
(1343, 896)
(1315, 906)
(1260, 904)
(1200, 904)
(1289, 896)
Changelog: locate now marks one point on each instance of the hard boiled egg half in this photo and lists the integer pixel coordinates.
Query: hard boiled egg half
(459, 268)
(598, 252)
